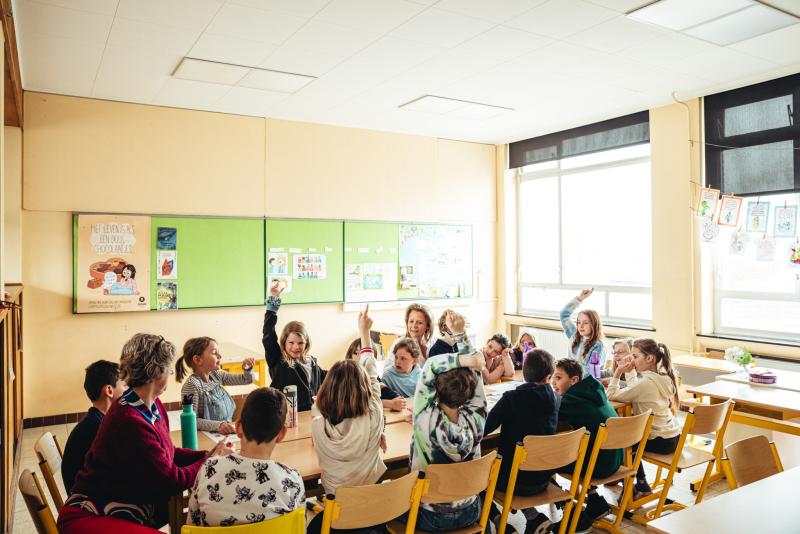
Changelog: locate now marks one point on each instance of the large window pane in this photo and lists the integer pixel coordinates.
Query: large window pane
(546, 299)
(538, 230)
(606, 227)
(631, 305)
(767, 167)
(767, 315)
(759, 116)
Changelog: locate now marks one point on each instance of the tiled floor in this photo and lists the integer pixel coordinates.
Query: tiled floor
(23, 524)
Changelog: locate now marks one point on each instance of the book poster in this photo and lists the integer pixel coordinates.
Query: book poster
(309, 267)
(167, 238)
(707, 202)
(112, 264)
(785, 221)
(278, 263)
(167, 296)
(757, 215)
(729, 210)
(281, 281)
(167, 265)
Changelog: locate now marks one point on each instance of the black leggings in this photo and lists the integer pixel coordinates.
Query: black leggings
(658, 446)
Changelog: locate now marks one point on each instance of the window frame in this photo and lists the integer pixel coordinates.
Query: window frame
(558, 173)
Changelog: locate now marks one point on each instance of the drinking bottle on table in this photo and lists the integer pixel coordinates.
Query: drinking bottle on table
(291, 413)
(188, 424)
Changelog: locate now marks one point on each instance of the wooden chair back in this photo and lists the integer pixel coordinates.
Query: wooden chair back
(36, 503)
(622, 432)
(48, 451)
(545, 453)
(365, 506)
(454, 482)
(292, 523)
(710, 418)
(752, 459)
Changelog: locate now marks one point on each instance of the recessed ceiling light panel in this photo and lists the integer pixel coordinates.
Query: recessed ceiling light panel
(741, 25)
(210, 71)
(440, 105)
(272, 80)
(681, 14)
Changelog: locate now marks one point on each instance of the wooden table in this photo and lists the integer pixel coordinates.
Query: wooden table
(788, 380)
(779, 404)
(704, 363)
(768, 506)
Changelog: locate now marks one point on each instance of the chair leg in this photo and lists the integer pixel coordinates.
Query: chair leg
(664, 493)
(503, 520)
(725, 467)
(657, 481)
(701, 491)
(573, 524)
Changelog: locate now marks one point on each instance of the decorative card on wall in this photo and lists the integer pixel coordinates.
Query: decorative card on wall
(729, 210)
(757, 216)
(785, 221)
(707, 202)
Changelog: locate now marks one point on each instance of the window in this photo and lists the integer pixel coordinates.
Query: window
(585, 221)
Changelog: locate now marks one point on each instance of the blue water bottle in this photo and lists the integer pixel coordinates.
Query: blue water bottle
(188, 424)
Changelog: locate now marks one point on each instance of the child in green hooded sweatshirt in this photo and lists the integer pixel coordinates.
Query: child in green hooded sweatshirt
(584, 403)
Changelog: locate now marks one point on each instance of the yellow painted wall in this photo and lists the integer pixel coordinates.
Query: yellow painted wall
(91, 155)
(12, 202)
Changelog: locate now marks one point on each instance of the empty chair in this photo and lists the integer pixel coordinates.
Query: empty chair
(752, 459)
(36, 503)
(48, 451)
(292, 523)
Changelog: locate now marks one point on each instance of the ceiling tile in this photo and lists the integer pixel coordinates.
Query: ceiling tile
(32, 17)
(189, 14)
(290, 59)
(271, 80)
(503, 43)
(331, 39)
(374, 15)
(724, 64)
(616, 34)
(496, 10)
(105, 7)
(621, 6)
(443, 69)
(246, 101)
(562, 18)
(145, 35)
(560, 57)
(231, 50)
(201, 70)
(254, 24)
(441, 28)
(386, 57)
(133, 75)
(190, 94)
(782, 46)
(301, 8)
(58, 65)
(790, 6)
(669, 50)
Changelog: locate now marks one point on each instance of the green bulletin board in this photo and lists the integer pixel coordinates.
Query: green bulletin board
(220, 261)
(309, 253)
(370, 257)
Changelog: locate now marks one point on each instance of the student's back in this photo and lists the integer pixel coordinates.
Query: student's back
(585, 404)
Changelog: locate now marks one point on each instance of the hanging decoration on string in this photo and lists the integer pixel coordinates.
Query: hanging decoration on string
(729, 209)
(785, 221)
(765, 249)
(757, 216)
(707, 202)
(738, 243)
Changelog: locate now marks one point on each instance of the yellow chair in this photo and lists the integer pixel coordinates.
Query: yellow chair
(752, 459)
(36, 503)
(49, 453)
(292, 523)
(374, 504)
(544, 453)
(615, 433)
(454, 482)
(701, 419)
(259, 367)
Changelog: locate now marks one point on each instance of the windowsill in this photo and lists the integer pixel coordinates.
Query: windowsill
(729, 337)
(621, 326)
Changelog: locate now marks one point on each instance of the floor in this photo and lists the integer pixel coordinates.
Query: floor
(23, 524)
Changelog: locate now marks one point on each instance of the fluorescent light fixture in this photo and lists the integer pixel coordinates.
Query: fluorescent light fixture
(209, 71)
(682, 14)
(440, 105)
(273, 80)
(741, 25)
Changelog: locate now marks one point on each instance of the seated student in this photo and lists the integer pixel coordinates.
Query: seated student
(621, 352)
(402, 377)
(213, 405)
(445, 344)
(449, 417)
(248, 487)
(656, 389)
(103, 386)
(585, 335)
(584, 404)
(529, 410)
(525, 344)
(288, 359)
(497, 353)
(390, 399)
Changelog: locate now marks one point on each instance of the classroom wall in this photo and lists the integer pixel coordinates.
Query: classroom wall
(91, 155)
(12, 204)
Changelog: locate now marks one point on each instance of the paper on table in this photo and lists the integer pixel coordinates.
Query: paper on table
(216, 437)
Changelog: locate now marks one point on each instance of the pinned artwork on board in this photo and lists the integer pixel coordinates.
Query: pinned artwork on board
(167, 265)
(738, 243)
(166, 238)
(785, 221)
(278, 263)
(765, 249)
(167, 295)
(730, 206)
(707, 202)
(310, 267)
(757, 217)
(282, 282)
(794, 255)
(408, 278)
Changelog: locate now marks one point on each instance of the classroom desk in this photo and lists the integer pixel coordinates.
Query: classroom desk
(788, 380)
(767, 402)
(768, 506)
(704, 363)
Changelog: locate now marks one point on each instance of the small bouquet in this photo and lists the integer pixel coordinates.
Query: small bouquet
(739, 356)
